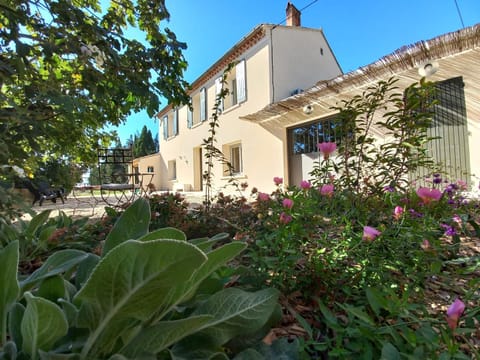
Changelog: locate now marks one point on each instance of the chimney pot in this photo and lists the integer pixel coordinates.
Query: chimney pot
(293, 15)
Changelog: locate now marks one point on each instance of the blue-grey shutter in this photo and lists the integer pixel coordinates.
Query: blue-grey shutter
(241, 83)
(189, 117)
(165, 127)
(203, 104)
(218, 90)
(175, 122)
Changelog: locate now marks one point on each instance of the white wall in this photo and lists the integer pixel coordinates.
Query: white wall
(302, 57)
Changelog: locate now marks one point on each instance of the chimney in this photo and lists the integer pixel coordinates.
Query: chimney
(293, 15)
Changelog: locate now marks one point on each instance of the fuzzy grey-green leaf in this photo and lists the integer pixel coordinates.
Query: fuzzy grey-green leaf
(42, 325)
(9, 288)
(132, 224)
(133, 281)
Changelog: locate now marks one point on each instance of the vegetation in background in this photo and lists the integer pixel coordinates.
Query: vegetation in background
(68, 70)
(142, 144)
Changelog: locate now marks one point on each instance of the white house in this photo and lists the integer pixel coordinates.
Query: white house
(451, 60)
(272, 62)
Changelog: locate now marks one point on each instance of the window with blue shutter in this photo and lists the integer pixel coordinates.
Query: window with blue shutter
(203, 104)
(165, 127)
(241, 90)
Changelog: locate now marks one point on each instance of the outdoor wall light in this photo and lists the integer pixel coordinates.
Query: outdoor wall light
(428, 68)
(308, 109)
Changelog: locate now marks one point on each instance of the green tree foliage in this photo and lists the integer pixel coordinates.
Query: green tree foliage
(67, 69)
(144, 143)
(59, 173)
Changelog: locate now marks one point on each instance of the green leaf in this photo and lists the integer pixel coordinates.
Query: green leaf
(133, 281)
(156, 338)
(376, 300)
(249, 354)
(206, 245)
(42, 325)
(216, 259)
(164, 233)
(9, 287)
(70, 311)
(45, 234)
(14, 323)
(281, 349)
(52, 288)
(36, 222)
(328, 316)
(55, 356)
(85, 268)
(237, 312)
(10, 351)
(390, 352)
(132, 224)
(358, 313)
(58, 263)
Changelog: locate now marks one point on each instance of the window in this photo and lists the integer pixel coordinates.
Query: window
(172, 170)
(449, 130)
(233, 155)
(304, 138)
(170, 124)
(198, 113)
(149, 169)
(236, 81)
(236, 159)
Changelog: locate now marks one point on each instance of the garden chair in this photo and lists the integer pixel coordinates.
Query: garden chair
(120, 181)
(42, 191)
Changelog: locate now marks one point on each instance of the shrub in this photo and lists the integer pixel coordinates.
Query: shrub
(148, 294)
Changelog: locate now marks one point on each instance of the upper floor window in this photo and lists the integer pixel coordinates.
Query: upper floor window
(198, 112)
(236, 83)
(150, 169)
(170, 124)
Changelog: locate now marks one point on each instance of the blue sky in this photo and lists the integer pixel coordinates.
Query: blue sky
(358, 31)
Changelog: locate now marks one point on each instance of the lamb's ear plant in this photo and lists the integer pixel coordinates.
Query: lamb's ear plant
(138, 300)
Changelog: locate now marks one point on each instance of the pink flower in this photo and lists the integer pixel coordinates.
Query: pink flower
(263, 197)
(327, 190)
(285, 218)
(370, 233)
(454, 312)
(427, 195)
(425, 245)
(305, 185)
(287, 203)
(457, 219)
(326, 148)
(397, 212)
(462, 184)
(278, 180)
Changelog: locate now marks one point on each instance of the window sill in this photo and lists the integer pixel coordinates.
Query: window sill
(230, 109)
(197, 125)
(236, 176)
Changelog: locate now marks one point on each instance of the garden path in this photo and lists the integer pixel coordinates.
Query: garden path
(90, 206)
